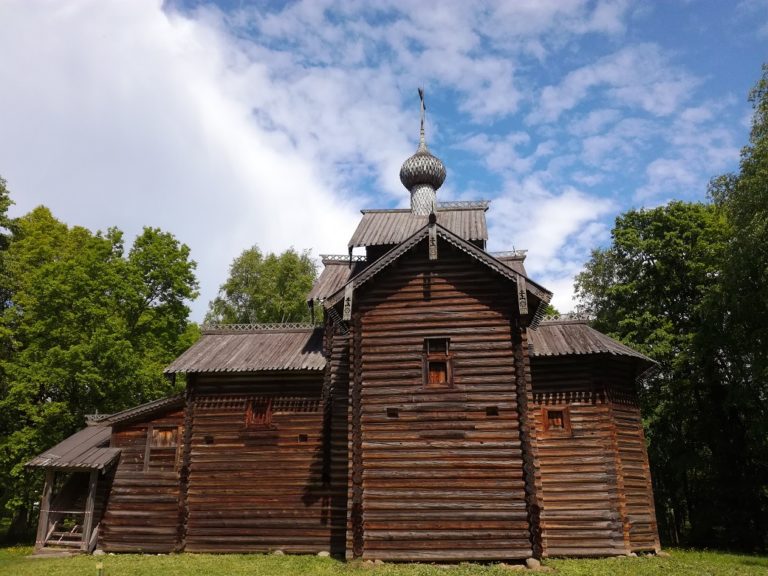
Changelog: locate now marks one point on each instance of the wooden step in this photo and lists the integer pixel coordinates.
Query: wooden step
(63, 543)
(70, 534)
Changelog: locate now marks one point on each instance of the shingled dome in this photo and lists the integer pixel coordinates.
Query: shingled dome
(422, 169)
(422, 173)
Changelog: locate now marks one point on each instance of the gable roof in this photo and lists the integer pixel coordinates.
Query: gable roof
(337, 270)
(569, 337)
(512, 258)
(86, 449)
(478, 254)
(253, 348)
(89, 448)
(286, 348)
(138, 412)
(377, 227)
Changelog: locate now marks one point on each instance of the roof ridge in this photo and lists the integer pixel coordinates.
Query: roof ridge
(566, 318)
(515, 253)
(267, 327)
(110, 419)
(478, 253)
(342, 258)
(444, 206)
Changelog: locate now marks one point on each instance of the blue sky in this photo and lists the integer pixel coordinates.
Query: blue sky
(238, 123)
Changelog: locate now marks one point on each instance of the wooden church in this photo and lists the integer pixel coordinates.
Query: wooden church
(436, 415)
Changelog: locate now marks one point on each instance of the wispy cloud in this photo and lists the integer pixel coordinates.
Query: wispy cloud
(557, 227)
(635, 77)
(273, 124)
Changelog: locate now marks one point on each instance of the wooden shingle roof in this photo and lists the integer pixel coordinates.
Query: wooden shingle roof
(138, 412)
(86, 449)
(335, 274)
(569, 337)
(89, 448)
(254, 348)
(538, 291)
(246, 348)
(380, 227)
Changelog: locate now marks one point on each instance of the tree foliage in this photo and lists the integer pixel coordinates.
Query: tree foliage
(86, 328)
(648, 289)
(688, 285)
(263, 289)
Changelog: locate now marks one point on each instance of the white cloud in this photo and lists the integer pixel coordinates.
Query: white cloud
(618, 146)
(699, 148)
(274, 124)
(754, 11)
(636, 76)
(472, 48)
(557, 228)
(593, 122)
(151, 125)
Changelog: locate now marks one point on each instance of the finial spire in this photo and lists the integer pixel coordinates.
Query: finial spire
(422, 173)
(422, 138)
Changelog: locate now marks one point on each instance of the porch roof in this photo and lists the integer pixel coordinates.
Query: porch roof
(87, 449)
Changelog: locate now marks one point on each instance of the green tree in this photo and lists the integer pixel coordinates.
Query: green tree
(264, 289)
(652, 288)
(740, 318)
(7, 227)
(91, 329)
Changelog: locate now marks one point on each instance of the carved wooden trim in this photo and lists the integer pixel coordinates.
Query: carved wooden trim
(90, 505)
(356, 508)
(186, 457)
(527, 436)
(621, 493)
(356, 504)
(45, 507)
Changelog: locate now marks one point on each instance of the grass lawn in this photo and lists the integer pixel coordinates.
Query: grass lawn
(14, 562)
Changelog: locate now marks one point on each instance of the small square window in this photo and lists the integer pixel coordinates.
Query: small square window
(438, 372)
(303, 438)
(557, 419)
(437, 346)
(161, 453)
(492, 411)
(164, 437)
(437, 362)
(259, 413)
(393, 413)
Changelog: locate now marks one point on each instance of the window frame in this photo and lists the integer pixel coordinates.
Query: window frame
(429, 355)
(566, 429)
(149, 445)
(261, 420)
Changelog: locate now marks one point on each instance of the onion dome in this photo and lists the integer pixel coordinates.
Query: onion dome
(422, 173)
(423, 168)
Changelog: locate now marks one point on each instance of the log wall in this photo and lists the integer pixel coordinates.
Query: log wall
(596, 495)
(264, 486)
(580, 496)
(142, 508)
(632, 456)
(440, 469)
(337, 382)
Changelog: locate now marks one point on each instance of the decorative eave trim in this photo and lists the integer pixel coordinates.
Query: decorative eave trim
(457, 205)
(342, 258)
(567, 318)
(245, 328)
(482, 256)
(137, 412)
(517, 254)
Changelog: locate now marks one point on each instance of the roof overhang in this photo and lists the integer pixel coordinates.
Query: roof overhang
(392, 226)
(251, 348)
(493, 264)
(87, 449)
